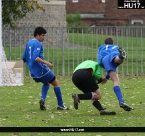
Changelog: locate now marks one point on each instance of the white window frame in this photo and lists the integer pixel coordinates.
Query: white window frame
(75, 0)
(136, 20)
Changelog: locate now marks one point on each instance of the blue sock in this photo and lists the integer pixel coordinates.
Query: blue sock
(44, 91)
(118, 93)
(58, 94)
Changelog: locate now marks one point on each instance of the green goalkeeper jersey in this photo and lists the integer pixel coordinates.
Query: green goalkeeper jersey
(89, 64)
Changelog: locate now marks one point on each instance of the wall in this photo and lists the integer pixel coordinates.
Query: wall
(54, 16)
(85, 6)
(118, 17)
(122, 15)
(112, 15)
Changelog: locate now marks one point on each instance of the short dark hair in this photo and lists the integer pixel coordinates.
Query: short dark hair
(39, 30)
(108, 40)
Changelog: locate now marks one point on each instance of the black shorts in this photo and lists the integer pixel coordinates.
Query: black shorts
(84, 81)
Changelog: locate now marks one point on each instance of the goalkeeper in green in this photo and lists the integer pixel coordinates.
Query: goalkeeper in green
(86, 77)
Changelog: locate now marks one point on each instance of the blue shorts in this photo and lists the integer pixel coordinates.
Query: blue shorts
(108, 63)
(47, 78)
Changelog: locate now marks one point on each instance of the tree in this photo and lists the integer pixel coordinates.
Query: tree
(12, 10)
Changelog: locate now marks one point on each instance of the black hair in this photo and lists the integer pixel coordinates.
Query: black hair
(39, 30)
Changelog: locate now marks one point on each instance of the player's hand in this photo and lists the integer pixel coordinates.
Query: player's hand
(104, 80)
(50, 65)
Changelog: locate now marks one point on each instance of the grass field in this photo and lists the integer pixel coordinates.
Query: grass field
(20, 104)
(20, 107)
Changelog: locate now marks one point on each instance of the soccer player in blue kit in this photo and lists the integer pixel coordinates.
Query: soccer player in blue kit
(110, 56)
(40, 69)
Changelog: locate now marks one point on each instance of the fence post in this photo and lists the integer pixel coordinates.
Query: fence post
(63, 59)
(10, 44)
(1, 43)
(117, 30)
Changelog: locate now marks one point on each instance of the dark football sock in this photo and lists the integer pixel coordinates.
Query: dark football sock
(85, 96)
(98, 105)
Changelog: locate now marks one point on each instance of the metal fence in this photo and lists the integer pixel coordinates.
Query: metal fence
(67, 47)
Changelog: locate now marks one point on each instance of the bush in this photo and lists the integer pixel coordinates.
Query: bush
(74, 20)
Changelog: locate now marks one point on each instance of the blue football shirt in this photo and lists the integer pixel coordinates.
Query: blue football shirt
(33, 50)
(106, 49)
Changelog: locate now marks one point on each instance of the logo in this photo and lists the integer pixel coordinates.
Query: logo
(131, 4)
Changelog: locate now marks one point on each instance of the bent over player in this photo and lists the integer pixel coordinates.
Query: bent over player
(84, 78)
(40, 69)
(110, 56)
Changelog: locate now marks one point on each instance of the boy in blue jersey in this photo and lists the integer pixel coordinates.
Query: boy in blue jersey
(40, 69)
(110, 56)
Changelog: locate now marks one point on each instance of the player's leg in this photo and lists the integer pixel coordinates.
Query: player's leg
(118, 92)
(96, 103)
(85, 82)
(110, 67)
(50, 78)
(57, 91)
(122, 52)
(120, 57)
(118, 60)
(44, 92)
(82, 79)
(87, 96)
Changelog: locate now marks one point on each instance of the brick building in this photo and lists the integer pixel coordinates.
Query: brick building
(105, 12)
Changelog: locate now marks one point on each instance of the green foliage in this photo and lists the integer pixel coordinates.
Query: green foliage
(74, 20)
(12, 10)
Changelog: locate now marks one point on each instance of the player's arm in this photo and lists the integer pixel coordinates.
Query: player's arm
(98, 74)
(104, 80)
(24, 56)
(44, 62)
(38, 55)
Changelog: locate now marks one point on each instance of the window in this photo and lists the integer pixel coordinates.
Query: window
(103, 1)
(136, 21)
(75, 0)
